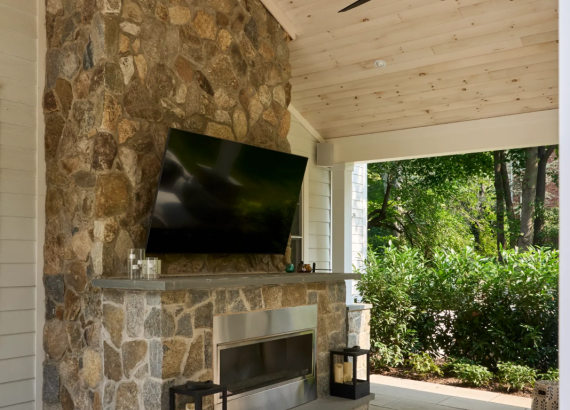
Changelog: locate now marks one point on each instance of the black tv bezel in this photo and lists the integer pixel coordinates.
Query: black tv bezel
(158, 186)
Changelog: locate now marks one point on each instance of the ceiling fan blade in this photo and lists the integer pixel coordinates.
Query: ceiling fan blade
(354, 5)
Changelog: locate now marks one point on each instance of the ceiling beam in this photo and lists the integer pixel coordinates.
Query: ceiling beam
(305, 123)
(490, 134)
(281, 18)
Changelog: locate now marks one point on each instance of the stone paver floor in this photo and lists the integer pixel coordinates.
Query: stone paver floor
(400, 394)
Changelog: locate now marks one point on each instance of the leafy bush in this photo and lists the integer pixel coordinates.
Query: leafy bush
(515, 376)
(551, 374)
(423, 365)
(386, 356)
(473, 374)
(387, 286)
(461, 304)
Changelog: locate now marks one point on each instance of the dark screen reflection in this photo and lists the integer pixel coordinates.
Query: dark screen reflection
(218, 196)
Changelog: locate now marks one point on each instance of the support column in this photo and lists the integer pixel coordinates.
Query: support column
(342, 222)
(564, 244)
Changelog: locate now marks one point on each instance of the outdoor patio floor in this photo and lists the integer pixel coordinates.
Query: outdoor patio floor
(400, 394)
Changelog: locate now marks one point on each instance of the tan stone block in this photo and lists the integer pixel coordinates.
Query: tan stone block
(92, 367)
(224, 39)
(179, 15)
(269, 116)
(205, 25)
(219, 131)
(124, 43)
(114, 323)
(173, 352)
(294, 295)
(127, 129)
(195, 360)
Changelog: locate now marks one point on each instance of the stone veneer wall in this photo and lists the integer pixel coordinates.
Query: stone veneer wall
(358, 332)
(118, 74)
(153, 341)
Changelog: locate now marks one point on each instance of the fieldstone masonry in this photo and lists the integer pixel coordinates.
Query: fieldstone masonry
(358, 331)
(155, 340)
(119, 73)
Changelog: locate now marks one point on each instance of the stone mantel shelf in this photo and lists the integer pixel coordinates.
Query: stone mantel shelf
(220, 281)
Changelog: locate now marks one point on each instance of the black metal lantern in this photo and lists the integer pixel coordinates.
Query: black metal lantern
(349, 386)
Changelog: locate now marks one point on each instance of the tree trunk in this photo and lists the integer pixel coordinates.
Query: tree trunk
(500, 203)
(528, 199)
(543, 157)
(513, 226)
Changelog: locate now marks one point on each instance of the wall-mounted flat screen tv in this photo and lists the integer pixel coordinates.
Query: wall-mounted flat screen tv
(219, 196)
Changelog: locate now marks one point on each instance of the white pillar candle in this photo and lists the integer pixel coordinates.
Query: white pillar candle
(338, 373)
(347, 372)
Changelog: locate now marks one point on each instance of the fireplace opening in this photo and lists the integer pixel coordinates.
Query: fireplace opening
(266, 359)
(256, 364)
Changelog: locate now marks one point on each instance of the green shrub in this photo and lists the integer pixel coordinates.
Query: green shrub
(422, 364)
(551, 374)
(473, 374)
(464, 305)
(386, 356)
(515, 376)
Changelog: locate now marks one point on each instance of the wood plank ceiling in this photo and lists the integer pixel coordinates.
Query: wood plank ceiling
(448, 61)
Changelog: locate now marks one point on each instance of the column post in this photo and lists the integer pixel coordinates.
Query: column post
(342, 222)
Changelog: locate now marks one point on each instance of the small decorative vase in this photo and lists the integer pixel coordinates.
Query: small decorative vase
(290, 268)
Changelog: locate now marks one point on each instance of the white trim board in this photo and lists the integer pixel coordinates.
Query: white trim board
(513, 131)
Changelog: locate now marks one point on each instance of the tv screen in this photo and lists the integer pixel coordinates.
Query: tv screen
(219, 196)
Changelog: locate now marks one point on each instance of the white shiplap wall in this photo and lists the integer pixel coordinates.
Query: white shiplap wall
(359, 217)
(316, 199)
(359, 213)
(18, 113)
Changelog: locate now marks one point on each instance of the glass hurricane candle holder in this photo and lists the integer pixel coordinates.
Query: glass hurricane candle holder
(152, 268)
(135, 263)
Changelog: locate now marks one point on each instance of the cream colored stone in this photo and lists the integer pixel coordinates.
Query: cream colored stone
(130, 28)
(264, 96)
(92, 368)
(181, 93)
(127, 67)
(53, 6)
(222, 116)
(137, 45)
(240, 124)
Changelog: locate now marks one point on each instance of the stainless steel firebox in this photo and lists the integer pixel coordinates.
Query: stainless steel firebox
(267, 358)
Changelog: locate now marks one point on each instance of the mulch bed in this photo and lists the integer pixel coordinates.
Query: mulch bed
(402, 373)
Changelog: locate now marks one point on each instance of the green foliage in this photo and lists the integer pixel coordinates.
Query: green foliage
(515, 376)
(387, 285)
(432, 202)
(551, 374)
(473, 374)
(464, 305)
(423, 365)
(386, 356)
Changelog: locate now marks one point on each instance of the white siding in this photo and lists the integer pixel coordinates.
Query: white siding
(18, 134)
(359, 217)
(359, 213)
(316, 199)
